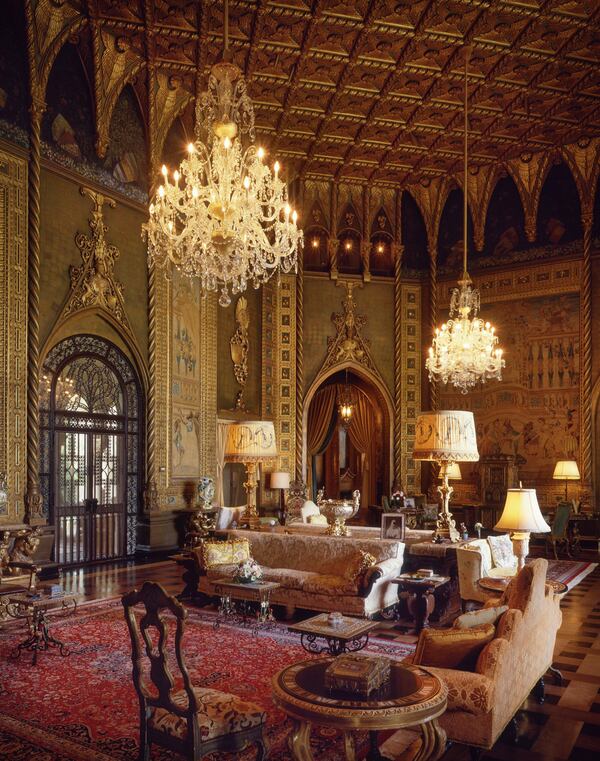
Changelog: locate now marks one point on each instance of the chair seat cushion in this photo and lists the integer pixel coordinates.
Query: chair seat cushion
(219, 713)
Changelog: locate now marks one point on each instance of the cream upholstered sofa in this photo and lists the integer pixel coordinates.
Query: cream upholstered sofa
(482, 703)
(483, 557)
(320, 572)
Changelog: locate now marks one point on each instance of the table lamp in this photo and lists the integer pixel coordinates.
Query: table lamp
(566, 470)
(251, 442)
(521, 516)
(453, 472)
(280, 480)
(446, 437)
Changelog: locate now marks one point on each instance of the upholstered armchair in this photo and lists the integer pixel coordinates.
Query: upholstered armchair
(475, 560)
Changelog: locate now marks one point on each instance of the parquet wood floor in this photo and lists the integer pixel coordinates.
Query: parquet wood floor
(565, 727)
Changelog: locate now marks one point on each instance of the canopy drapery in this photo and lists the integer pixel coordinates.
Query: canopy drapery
(362, 434)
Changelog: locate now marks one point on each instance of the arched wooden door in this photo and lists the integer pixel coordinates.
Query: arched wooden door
(91, 449)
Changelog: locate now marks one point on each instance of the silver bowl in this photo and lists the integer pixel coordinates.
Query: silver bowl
(338, 511)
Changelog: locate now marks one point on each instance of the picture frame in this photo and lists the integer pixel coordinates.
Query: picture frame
(392, 526)
(409, 503)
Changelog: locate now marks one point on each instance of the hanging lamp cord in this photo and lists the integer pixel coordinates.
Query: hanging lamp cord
(466, 167)
(226, 26)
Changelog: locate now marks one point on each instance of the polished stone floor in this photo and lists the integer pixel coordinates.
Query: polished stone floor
(566, 726)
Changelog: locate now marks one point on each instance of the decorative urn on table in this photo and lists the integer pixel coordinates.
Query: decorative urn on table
(338, 511)
(202, 521)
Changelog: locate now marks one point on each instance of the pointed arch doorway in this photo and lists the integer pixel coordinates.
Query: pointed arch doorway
(91, 449)
(341, 459)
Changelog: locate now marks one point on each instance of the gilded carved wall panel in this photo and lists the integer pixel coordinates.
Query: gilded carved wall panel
(13, 332)
(411, 367)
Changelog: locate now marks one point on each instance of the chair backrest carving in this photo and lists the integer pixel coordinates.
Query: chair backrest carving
(155, 602)
(561, 520)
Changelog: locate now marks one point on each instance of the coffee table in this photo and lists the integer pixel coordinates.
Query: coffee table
(349, 636)
(412, 697)
(245, 604)
(419, 594)
(33, 608)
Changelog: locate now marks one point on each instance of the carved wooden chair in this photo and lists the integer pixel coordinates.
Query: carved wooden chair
(191, 721)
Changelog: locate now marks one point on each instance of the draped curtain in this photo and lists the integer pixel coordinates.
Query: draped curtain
(222, 426)
(362, 435)
(320, 427)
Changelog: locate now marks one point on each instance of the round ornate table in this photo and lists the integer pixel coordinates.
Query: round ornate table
(412, 697)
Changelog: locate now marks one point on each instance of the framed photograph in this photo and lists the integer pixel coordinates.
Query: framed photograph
(409, 503)
(392, 526)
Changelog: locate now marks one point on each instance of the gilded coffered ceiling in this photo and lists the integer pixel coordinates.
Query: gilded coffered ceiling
(369, 90)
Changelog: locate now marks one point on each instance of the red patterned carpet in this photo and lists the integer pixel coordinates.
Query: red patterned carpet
(84, 707)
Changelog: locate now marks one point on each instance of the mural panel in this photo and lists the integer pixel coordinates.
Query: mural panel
(185, 384)
(533, 412)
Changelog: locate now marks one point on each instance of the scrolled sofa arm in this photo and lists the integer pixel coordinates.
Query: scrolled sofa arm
(467, 691)
(384, 569)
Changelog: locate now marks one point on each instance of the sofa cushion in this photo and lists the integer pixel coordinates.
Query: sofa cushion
(490, 657)
(231, 551)
(330, 584)
(452, 648)
(501, 548)
(222, 571)
(479, 617)
(288, 577)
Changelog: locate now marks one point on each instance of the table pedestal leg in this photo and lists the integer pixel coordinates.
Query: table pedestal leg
(300, 741)
(374, 754)
(421, 604)
(349, 746)
(434, 742)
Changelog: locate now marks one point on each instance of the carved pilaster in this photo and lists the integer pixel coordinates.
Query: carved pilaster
(410, 375)
(365, 253)
(151, 498)
(33, 497)
(397, 251)
(208, 383)
(433, 389)
(332, 248)
(586, 350)
(299, 365)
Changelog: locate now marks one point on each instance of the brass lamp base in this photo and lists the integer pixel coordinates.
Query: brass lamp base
(250, 517)
(445, 526)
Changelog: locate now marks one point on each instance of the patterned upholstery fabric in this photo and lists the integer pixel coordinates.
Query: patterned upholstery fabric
(320, 572)
(473, 693)
(514, 661)
(502, 551)
(452, 648)
(218, 714)
(479, 617)
(217, 553)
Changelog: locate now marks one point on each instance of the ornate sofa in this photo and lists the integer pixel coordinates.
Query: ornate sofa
(321, 573)
(482, 703)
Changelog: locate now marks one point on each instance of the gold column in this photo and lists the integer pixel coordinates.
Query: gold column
(397, 251)
(433, 286)
(586, 350)
(33, 497)
(207, 351)
(299, 364)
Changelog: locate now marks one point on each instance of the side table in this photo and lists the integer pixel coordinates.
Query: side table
(419, 591)
(239, 599)
(33, 608)
(412, 697)
(349, 636)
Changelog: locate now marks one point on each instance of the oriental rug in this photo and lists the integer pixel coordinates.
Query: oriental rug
(84, 707)
(570, 572)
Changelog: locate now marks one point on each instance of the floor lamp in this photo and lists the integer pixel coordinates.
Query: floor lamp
(566, 470)
(251, 443)
(446, 437)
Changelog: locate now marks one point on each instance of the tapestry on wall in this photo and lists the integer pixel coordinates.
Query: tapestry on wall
(185, 387)
(533, 413)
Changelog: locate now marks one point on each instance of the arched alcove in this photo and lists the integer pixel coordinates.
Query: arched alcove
(381, 261)
(350, 239)
(68, 123)
(126, 156)
(559, 209)
(505, 220)
(414, 235)
(451, 232)
(371, 384)
(316, 240)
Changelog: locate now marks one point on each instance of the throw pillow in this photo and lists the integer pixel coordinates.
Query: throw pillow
(480, 617)
(220, 553)
(317, 520)
(502, 550)
(452, 648)
(359, 565)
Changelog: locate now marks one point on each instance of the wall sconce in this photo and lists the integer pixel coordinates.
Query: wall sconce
(348, 245)
(315, 243)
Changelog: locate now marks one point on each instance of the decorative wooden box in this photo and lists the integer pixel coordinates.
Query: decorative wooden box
(360, 674)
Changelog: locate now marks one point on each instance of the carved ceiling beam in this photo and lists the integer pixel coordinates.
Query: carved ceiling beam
(316, 13)
(367, 25)
(529, 172)
(262, 8)
(202, 46)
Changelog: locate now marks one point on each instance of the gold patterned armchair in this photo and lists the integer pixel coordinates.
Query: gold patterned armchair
(479, 558)
(191, 721)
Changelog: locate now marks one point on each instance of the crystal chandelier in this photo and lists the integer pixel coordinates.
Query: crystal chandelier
(464, 349)
(224, 215)
(346, 402)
